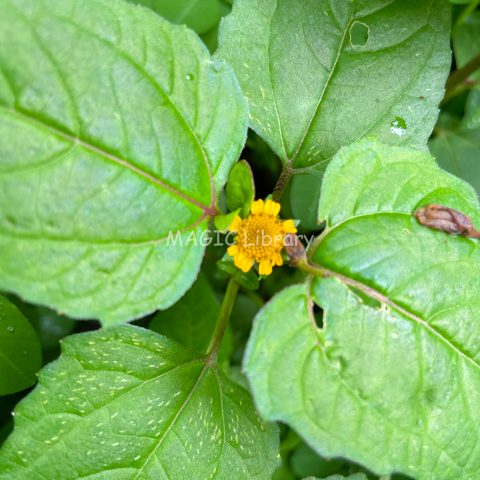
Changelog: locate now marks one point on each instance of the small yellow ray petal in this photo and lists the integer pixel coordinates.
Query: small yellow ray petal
(265, 267)
(277, 260)
(238, 259)
(232, 250)
(259, 206)
(269, 207)
(236, 224)
(247, 265)
(289, 226)
(276, 209)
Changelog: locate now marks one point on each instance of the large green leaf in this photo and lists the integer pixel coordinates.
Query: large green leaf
(127, 403)
(191, 321)
(116, 128)
(311, 91)
(395, 387)
(20, 351)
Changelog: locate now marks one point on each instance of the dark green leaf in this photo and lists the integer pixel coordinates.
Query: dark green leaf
(248, 280)
(304, 198)
(210, 39)
(168, 412)
(466, 42)
(240, 188)
(305, 462)
(20, 351)
(459, 153)
(126, 131)
(394, 388)
(311, 91)
(50, 326)
(191, 321)
(199, 15)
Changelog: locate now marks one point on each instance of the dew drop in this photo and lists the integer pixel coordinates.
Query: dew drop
(10, 329)
(190, 77)
(25, 352)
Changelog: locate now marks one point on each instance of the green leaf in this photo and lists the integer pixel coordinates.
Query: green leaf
(50, 326)
(305, 462)
(311, 91)
(210, 39)
(304, 198)
(466, 42)
(458, 152)
(126, 131)
(168, 412)
(248, 280)
(199, 15)
(240, 188)
(222, 222)
(191, 321)
(382, 386)
(20, 351)
(356, 476)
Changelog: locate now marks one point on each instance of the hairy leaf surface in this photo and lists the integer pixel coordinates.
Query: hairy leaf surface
(126, 131)
(311, 90)
(129, 404)
(20, 351)
(395, 387)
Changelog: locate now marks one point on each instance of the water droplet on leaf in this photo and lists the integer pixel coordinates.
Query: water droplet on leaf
(190, 77)
(10, 329)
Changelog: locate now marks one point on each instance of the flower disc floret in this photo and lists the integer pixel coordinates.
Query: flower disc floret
(260, 237)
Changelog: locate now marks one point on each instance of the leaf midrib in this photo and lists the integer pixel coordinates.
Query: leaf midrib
(382, 298)
(125, 163)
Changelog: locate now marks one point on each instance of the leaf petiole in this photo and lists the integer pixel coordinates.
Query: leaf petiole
(223, 317)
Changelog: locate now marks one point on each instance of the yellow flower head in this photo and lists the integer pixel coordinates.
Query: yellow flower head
(260, 237)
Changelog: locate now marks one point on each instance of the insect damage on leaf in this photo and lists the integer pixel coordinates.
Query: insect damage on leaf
(447, 220)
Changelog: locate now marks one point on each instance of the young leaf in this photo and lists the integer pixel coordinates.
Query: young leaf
(395, 387)
(311, 91)
(129, 403)
(20, 351)
(191, 321)
(240, 188)
(127, 131)
(222, 222)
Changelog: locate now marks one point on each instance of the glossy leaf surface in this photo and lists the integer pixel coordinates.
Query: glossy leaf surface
(311, 91)
(20, 351)
(393, 388)
(167, 413)
(126, 132)
(240, 188)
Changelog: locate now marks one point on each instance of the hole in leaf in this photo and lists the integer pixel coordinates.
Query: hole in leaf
(318, 314)
(359, 33)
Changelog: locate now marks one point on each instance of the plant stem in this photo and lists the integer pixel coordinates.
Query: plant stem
(282, 182)
(455, 81)
(466, 12)
(223, 317)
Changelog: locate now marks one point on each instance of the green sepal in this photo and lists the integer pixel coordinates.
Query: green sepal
(240, 188)
(248, 280)
(222, 222)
